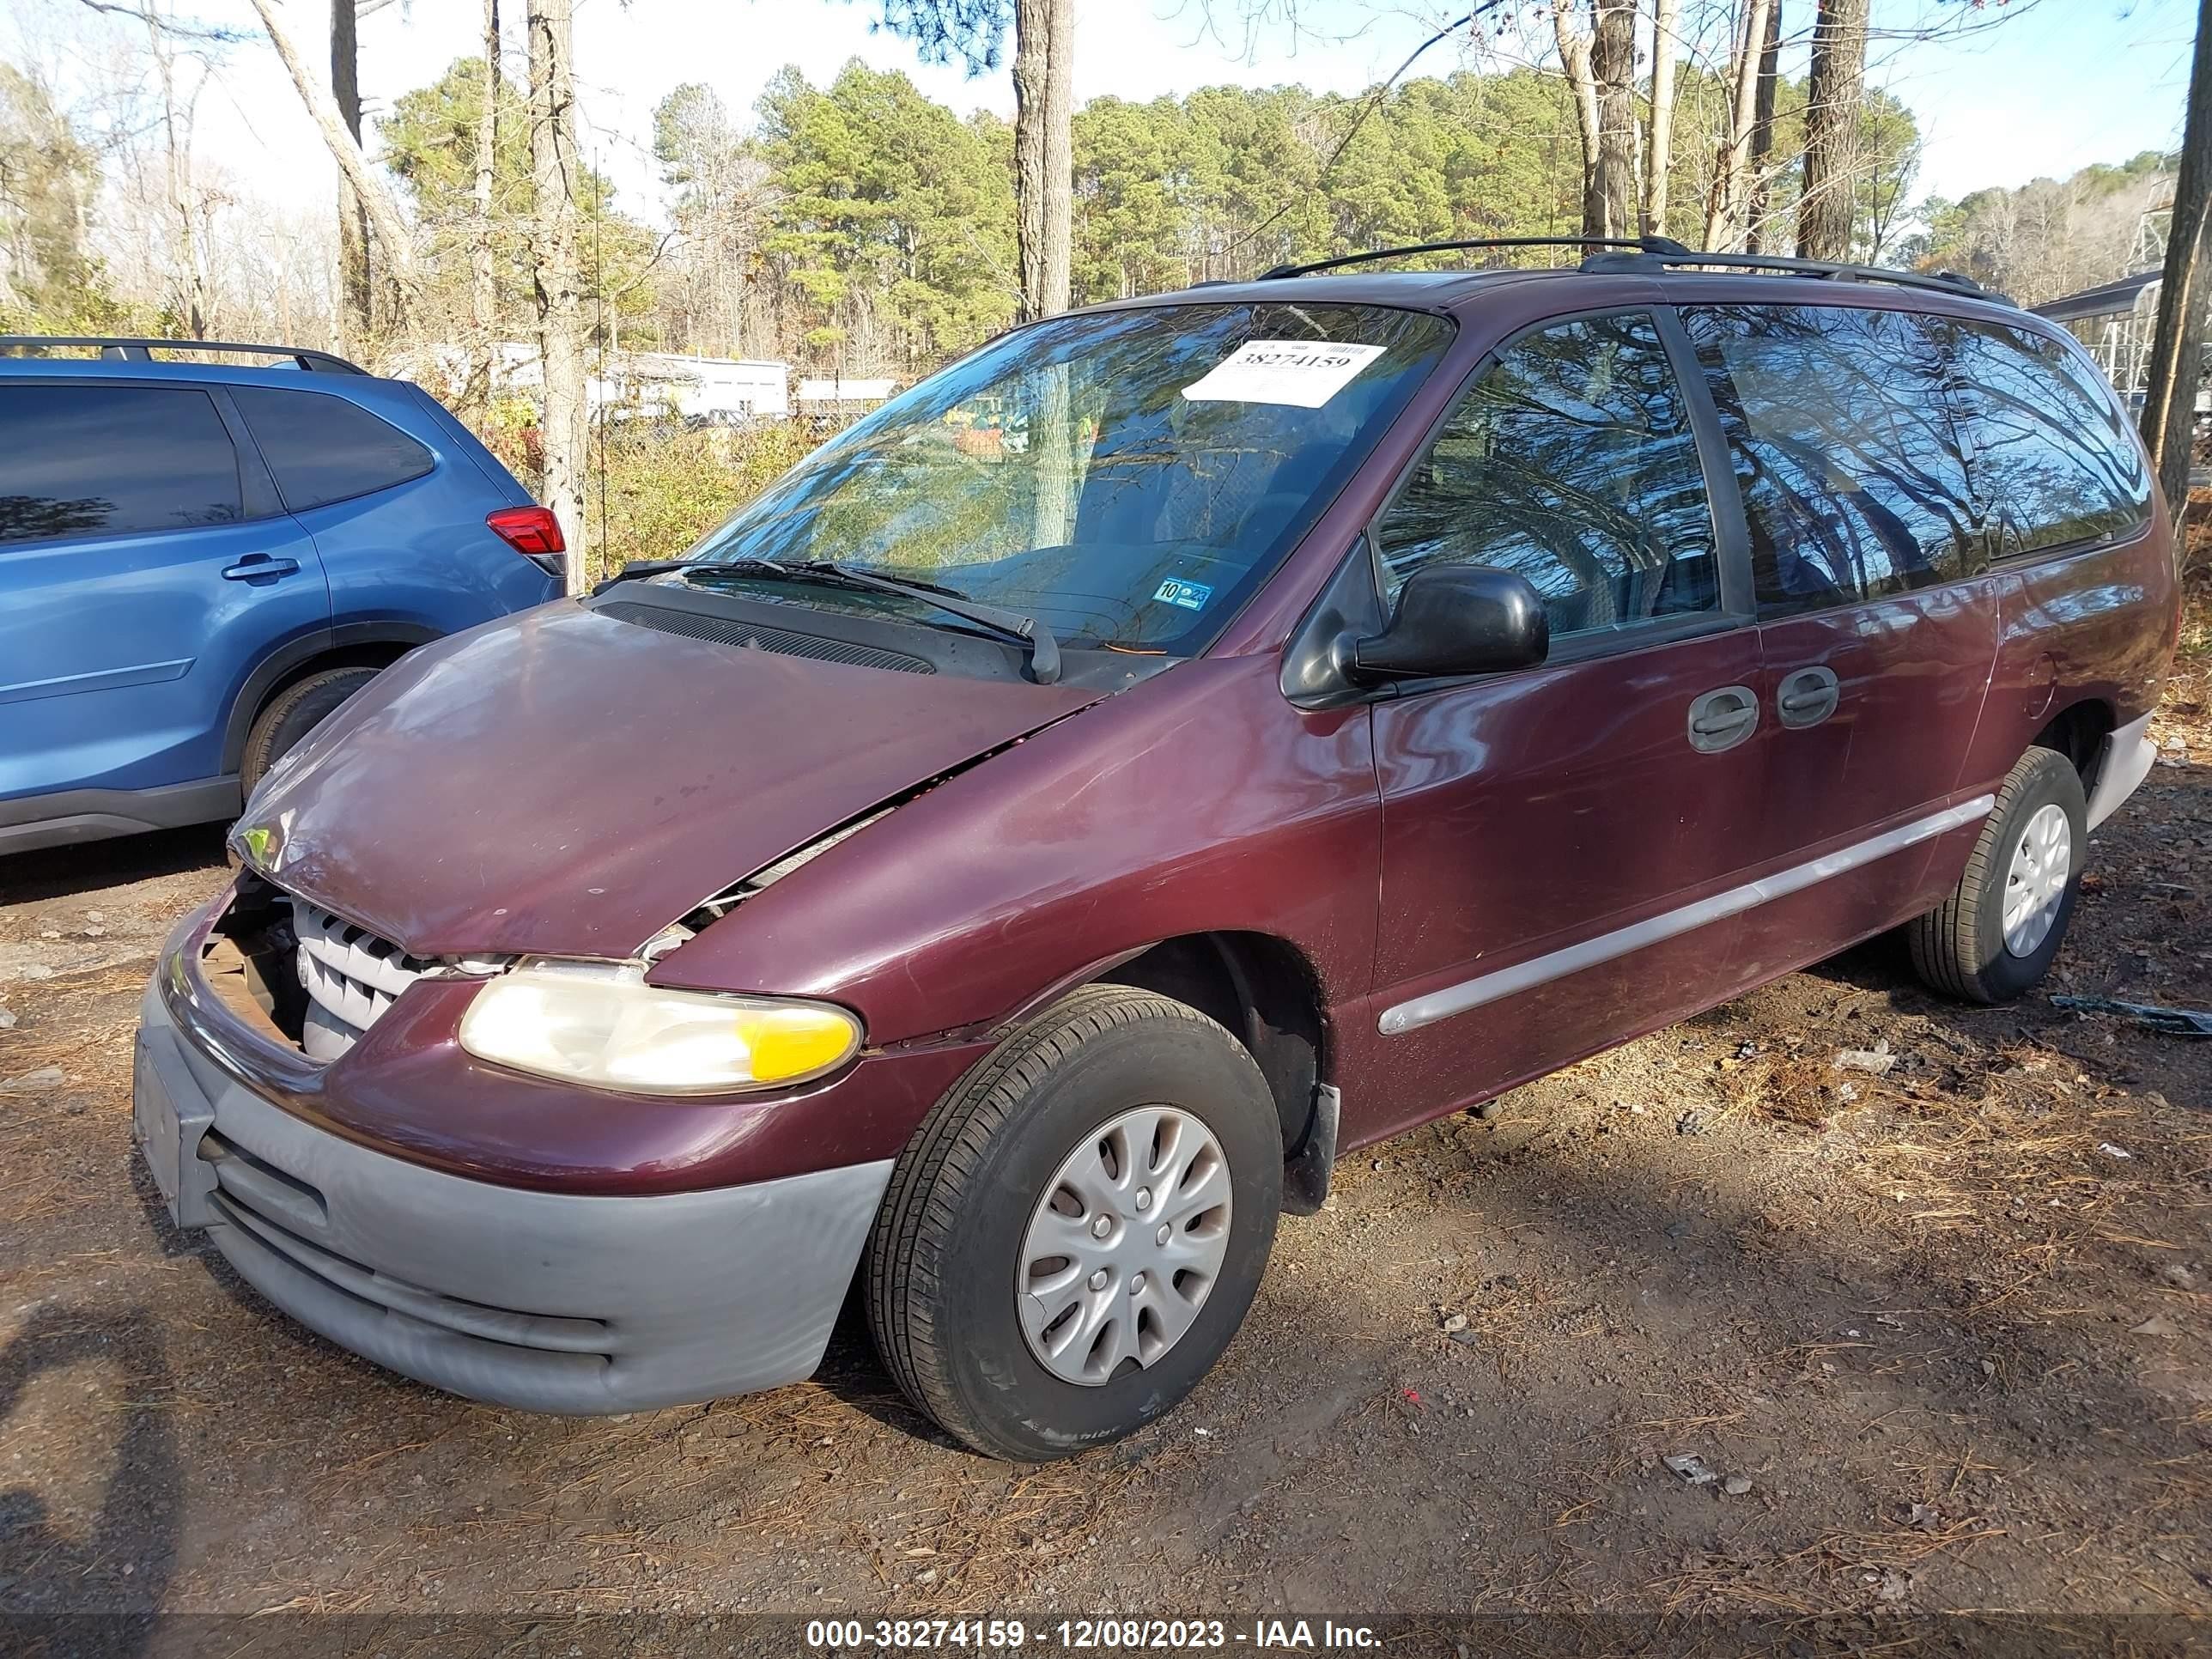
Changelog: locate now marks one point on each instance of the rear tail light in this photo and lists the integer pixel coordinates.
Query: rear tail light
(530, 531)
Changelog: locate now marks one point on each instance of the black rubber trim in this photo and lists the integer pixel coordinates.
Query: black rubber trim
(72, 816)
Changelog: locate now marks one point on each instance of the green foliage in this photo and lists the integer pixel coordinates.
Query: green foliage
(51, 282)
(888, 209)
(665, 488)
(430, 142)
(1228, 181)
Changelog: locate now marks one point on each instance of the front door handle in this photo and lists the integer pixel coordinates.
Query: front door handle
(255, 566)
(1722, 717)
(1806, 697)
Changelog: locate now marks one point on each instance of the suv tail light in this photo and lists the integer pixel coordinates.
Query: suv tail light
(531, 531)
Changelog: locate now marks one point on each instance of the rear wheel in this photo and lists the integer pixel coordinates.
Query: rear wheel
(1997, 934)
(1078, 1229)
(293, 712)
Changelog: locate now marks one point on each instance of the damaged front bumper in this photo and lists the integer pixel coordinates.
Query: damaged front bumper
(548, 1301)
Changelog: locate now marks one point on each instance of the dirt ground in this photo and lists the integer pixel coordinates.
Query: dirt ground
(1943, 1337)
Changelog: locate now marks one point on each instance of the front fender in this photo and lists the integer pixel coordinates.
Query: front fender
(1196, 801)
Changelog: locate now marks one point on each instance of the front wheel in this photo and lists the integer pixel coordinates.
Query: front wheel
(1995, 935)
(1078, 1229)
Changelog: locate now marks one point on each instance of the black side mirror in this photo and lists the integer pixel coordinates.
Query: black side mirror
(1457, 619)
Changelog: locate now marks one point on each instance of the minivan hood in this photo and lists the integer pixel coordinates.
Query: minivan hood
(566, 783)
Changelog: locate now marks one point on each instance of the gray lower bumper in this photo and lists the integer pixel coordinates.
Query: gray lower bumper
(544, 1301)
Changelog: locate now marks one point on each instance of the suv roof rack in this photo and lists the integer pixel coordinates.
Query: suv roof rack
(129, 350)
(1943, 281)
(1664, 246)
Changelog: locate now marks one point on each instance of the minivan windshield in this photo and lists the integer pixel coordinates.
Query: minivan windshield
(1127, 477)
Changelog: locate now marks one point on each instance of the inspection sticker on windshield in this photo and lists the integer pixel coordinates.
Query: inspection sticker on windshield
(1303, 374)
(1191, 596)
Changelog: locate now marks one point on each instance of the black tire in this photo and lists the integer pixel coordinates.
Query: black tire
(293, 712)
(1959, 947)
(943, 1258)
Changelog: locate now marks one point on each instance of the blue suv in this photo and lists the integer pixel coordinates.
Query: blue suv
(198, 562)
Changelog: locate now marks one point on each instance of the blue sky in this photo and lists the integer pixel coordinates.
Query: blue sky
(2065, 84)
(2058, 84)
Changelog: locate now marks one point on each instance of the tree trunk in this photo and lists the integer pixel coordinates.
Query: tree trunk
(1659, 139)
(484, 284)
(194, 282)
(376, 197)
(2177, 362)
(1833, 95)
(1613, 75)
(560, 302)
(1575, 65)
(1044, 152)
(1724, 218)
(356, 309)
(1762, 133)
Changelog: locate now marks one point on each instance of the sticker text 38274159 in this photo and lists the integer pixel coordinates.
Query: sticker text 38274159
(1302, 373)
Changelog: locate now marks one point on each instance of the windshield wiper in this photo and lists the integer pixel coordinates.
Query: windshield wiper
(1030, 631)
(637, 570)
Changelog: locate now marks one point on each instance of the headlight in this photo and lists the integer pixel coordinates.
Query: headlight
(603, 1025)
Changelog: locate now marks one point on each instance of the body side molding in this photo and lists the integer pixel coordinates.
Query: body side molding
(1411, 1015)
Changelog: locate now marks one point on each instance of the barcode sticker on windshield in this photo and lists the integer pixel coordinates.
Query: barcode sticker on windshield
(1303, 374)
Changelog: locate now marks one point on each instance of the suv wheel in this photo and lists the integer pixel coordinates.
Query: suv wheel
(1995, 935)
(293, 712)
(1079, 1228)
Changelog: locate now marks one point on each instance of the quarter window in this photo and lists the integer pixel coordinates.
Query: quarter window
(1853, 480)
(2052, 455)
(323, 449)
(1571, 462)
(111, 460)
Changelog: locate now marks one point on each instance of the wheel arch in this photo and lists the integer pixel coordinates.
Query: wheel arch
(349, 645)
(1264, 991)
(2078, 732)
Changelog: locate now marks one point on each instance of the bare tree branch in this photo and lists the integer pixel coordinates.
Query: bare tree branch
(375, 194)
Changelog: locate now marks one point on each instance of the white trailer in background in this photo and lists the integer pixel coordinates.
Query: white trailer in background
(706, 391)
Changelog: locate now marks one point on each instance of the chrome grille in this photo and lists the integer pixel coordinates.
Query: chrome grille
(351, 977)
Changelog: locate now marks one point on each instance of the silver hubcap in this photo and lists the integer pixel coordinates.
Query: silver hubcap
(2036, 882)
(1125, 1245)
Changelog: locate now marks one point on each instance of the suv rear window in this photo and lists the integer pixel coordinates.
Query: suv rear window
(111, 460)
(324, 449)
(2053, 458)
(1853, 476)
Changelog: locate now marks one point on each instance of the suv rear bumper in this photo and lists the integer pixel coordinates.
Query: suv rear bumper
(544, 1301)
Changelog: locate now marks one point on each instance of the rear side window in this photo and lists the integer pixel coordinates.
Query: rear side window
(109, 461)
(1571, 462)
(1853, 476)
(2052, 455)
(324, 449)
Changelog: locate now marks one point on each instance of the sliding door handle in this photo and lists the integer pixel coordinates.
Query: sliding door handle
(1722, 717)
(1806, 697)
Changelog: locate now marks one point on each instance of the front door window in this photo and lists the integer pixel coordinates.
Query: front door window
(1570, 462)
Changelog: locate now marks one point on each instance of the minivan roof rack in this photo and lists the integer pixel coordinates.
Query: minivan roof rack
(1662, 246)
(1943, 281)
(117, 348)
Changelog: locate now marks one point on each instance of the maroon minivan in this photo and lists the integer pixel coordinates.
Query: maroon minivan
(1004, 865)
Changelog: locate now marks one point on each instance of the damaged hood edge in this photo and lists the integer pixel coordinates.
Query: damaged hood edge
(568, 784)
